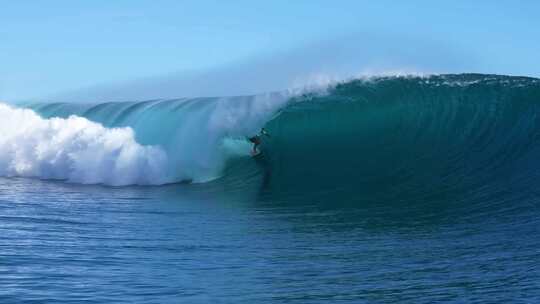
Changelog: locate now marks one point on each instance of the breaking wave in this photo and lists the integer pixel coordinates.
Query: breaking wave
(373, 138)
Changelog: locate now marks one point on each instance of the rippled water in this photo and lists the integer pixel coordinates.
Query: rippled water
(66, 243)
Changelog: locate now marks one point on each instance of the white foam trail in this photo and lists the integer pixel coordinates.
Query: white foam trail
(75, 149)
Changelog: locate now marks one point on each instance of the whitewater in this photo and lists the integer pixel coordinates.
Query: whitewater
(74, 149)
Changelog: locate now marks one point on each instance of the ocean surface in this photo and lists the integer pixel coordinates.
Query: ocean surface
(377, 190)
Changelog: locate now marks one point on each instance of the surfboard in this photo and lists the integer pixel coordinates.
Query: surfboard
(255, 154)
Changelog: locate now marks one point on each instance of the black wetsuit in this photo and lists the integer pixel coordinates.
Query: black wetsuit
(255, 139)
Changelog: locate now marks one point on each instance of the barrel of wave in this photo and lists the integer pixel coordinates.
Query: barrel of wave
(193, 137)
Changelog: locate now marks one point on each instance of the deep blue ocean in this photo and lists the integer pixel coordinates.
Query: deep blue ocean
(380, 190)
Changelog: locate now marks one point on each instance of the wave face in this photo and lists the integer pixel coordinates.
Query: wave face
(402, 138)
(375, 139)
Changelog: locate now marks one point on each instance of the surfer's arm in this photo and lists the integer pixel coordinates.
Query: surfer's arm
(263, 132)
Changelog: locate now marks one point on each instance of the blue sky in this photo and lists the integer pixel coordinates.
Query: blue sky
(50, 47)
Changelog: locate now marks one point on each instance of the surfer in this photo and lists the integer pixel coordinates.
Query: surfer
(256, 140)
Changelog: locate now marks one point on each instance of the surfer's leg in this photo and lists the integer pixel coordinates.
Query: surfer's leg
(256, 142)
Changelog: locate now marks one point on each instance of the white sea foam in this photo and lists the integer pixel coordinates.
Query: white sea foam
(75, 149)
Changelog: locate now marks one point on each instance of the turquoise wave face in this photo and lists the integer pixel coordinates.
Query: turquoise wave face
(395, 139)
(378, 139)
